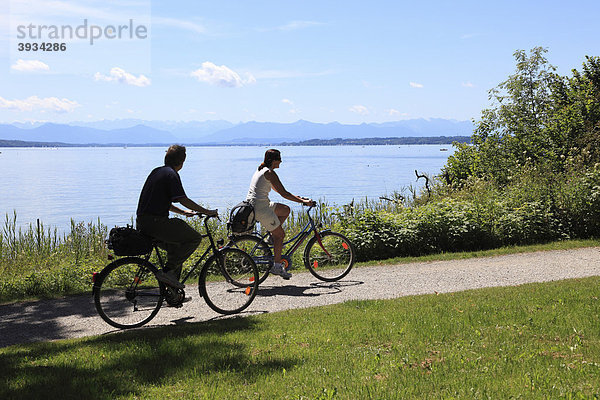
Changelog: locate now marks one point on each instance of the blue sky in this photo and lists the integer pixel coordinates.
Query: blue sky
(280, 61)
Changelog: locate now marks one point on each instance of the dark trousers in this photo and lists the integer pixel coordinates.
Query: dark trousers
(177, 237)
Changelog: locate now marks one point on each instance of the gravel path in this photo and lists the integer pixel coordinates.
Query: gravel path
(75, 316)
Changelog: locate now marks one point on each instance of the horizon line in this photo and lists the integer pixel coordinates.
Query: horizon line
(224, 120)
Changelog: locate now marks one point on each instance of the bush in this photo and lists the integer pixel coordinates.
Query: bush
(445, 225)
(535, 207)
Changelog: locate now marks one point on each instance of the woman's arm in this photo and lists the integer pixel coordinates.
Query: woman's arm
(276, 184)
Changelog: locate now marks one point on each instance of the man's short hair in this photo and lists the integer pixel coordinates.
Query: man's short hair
(175, 155)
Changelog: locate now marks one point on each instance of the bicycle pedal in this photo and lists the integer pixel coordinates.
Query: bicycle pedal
(176, 298)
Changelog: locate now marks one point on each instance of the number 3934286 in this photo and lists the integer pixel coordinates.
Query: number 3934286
(44, 46)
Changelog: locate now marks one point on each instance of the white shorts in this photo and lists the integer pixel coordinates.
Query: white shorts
(265, 214)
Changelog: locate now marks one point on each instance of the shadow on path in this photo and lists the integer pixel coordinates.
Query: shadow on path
(54, 319)
(313, 290)
(36, 321)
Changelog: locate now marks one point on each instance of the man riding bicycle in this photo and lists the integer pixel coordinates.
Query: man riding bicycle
(162, 188)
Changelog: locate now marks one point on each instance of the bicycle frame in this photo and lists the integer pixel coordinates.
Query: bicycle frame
(300, 237)
(212, 247)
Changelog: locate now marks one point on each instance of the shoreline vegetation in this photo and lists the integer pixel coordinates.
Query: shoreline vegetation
(408, 140)
(38, 262)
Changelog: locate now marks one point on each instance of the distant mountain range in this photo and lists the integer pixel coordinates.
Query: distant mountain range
(132, 131)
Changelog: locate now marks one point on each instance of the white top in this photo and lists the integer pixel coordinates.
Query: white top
(259, 187)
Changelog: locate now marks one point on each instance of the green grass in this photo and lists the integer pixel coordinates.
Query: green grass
(531, 341)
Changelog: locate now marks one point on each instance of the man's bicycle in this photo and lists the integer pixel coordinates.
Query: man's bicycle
(127, 293)
(328, 255)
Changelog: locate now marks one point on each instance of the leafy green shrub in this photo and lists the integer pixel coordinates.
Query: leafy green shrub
(536, 207)
(578, 203)
(373, 234)
(446, 225)
(527, 224)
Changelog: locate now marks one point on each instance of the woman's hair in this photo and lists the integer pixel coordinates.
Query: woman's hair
(175, 155)
(270, 156)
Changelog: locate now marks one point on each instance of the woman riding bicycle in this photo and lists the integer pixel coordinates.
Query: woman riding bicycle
(272, 215)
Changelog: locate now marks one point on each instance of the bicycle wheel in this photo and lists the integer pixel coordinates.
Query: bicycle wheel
(127, 293)
(259, 251)
(229, 281)
(331, 259)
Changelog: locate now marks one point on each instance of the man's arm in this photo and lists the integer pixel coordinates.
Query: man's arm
(192, 205)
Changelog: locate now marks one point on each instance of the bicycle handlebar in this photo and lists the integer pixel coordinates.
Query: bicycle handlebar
(206, 216)
(304, 205)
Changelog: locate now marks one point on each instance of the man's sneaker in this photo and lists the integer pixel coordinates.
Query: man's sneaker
(278, 269)
(168, 278)
(181, 303)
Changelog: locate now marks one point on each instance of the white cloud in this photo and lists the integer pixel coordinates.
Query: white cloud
(221, 76)
(395, 113)
(34, 103)
(416, 85)
(468, 84)
(290, 103)
(358, 109)
(30, 66)
(119, 75)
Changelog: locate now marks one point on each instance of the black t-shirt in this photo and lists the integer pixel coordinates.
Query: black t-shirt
(162, 187)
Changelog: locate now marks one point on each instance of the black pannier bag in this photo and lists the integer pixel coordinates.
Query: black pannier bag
(126, 241)
(241, 218)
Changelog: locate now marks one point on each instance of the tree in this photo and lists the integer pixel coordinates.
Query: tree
(537, 119)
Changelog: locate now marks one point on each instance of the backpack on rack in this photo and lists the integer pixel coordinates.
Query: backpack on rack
(126, 241)
(241, 218)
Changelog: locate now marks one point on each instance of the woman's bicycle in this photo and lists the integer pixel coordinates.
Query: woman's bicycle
(127, 293)
(328, 255)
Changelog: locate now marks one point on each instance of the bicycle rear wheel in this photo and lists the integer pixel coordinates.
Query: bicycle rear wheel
(331, 259)
(127, 293)
(259, 251)
(229, 281)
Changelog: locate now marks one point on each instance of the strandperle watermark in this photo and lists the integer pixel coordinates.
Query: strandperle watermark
(90, 32)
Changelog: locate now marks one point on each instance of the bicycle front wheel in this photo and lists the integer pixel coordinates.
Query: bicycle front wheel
(127, 293)
(229, 281)
(259, 251)
(331, 258)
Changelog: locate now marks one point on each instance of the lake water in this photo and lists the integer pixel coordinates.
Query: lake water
(84, 184)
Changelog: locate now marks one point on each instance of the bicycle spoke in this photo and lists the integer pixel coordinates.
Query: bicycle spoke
(329, 257)
(259, 251)
(127, 294)
(229, 281)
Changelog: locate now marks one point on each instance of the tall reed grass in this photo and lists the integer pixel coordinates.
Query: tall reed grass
(37, 261)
